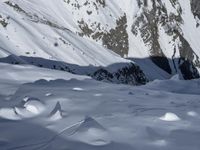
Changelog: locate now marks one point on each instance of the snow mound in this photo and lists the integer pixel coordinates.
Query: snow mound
(170, 117)
(91, 132)
(88, 123)
(34, 106)
(192, 114)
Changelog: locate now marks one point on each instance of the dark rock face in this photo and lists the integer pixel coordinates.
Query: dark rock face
(115, 39)
(131, 74)
(188, 61)
(195, 7)
(148, 24)
(188, 69)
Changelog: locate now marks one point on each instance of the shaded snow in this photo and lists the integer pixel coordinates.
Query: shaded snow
(159, 115)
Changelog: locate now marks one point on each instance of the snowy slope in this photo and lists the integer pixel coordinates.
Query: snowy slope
(80, 113)
(32, 35)
(52, 52)
(81, 32)
(36, 29)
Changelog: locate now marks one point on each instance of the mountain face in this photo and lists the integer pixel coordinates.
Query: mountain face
(130, 41)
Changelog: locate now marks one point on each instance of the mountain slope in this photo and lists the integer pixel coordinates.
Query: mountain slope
(164, 33)
(28, 29)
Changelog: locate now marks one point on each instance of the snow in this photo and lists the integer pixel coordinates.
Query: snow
(35, 39)
(8, 113)
(31, 37)
(48, 94)
(78, 89)
(164, 114)
(49, 109)
(170, 117)
(33, 106)
(192, 114)
(56, 113)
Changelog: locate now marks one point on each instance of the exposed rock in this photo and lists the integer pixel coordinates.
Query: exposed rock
(148, 24)
(195, 7)
(131, 74)
(4, 21)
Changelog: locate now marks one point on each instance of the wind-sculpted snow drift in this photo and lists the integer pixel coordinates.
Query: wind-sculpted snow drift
(53, 53)
(47, 109)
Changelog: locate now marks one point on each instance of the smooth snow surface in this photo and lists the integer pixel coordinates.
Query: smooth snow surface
(42, 109)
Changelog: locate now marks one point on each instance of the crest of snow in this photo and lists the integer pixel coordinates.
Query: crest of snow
(56, 113)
